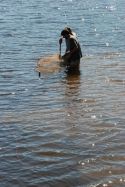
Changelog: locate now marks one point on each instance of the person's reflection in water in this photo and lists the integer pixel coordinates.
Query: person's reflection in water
(72, 94)
(73, 83)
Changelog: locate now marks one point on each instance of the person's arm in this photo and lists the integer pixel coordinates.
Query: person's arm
(60, 40)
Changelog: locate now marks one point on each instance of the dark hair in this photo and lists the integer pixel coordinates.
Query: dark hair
(68, 29)
(64, 32)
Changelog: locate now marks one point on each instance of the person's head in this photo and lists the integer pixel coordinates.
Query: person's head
(68, 29)
(65, 33)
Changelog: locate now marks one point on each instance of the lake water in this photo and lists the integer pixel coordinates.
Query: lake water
(59, 129)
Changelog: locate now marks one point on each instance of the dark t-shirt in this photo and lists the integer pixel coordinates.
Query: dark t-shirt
(73, 43)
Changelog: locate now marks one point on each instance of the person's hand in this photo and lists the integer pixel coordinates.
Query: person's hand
(60, 41)
(60, 57)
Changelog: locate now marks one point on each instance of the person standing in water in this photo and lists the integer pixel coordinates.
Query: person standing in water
(73, 50)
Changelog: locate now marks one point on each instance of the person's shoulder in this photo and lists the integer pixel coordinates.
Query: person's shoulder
(74, 34)
(72, 37)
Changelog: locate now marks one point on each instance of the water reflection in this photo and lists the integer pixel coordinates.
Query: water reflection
(66, 129)
(72, 91)
(72, 82)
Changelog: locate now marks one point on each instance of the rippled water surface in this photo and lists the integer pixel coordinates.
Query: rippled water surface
(59, 129)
